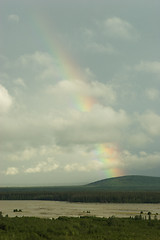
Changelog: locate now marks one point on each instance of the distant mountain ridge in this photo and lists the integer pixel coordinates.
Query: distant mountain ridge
(127, 183)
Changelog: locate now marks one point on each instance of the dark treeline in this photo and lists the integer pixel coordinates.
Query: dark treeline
(84, 196)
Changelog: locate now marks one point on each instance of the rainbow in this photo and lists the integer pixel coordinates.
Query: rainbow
(109, 156)
(70, 71)
(114, 172)
(68, 68)
(84, 103)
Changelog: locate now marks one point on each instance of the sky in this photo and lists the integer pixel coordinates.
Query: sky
(79, 90)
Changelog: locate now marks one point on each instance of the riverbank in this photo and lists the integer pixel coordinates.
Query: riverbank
(55, 209)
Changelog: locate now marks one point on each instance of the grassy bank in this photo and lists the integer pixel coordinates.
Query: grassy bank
(63, 228)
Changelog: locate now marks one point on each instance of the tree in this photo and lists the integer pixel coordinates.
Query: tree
(149, 215)
(156, 216)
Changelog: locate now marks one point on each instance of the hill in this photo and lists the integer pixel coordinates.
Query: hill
(127, 183)
(126, 189)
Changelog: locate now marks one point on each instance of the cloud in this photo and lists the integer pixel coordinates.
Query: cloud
(20, 82)
(150, 122)
(11, 171)
(48, 166)
(139, 139)
(143, 162)
(91, 166)
(57, 123)
(95, 43)
(152, 94)
(97, 39)
(148, 66)
(102, 124)
(13, 18)
(89, 73)
(40, 66)
(101, 48)
(40, 58)
(27, 154)
(82, 94)
(118, 28)
(5, 100)
(88, 32)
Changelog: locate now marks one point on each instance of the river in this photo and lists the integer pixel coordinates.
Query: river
(54, 209)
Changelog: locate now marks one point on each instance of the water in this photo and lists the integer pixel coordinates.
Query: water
(54, 209)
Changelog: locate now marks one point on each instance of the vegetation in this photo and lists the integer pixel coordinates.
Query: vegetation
(17, 210)
(126, 189)
(84, 196)
(88, 228)
(128, 183)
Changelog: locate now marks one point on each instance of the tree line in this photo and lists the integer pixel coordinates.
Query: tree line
(84, 196)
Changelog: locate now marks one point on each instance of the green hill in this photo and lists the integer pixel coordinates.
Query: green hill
(126, 189)
(127, 183)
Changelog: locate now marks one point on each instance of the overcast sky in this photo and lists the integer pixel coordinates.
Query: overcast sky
(79, 90)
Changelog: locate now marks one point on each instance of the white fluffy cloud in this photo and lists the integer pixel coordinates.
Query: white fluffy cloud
(48, 166)
(87, 167)
(82, 94)
(150, 121)
(20, 82)
(149, 66)
(152, 94)
(5, 100)
(119, 28)
(24, 155)
(101, 48)
(38, 66)
(42, 59)
(11, 171)
(102, 124)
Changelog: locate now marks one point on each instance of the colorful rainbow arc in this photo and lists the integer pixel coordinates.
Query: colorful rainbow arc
(71, 72)
(108, 155)
(67, 66)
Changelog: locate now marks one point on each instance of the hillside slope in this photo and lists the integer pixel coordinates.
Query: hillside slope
(128, 183)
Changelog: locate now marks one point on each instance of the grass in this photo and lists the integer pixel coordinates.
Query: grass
(88, 228)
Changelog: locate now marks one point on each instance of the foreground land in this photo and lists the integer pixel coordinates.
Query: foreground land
(88, 228)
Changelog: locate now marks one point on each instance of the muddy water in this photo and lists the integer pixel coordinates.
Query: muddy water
(54, 209)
